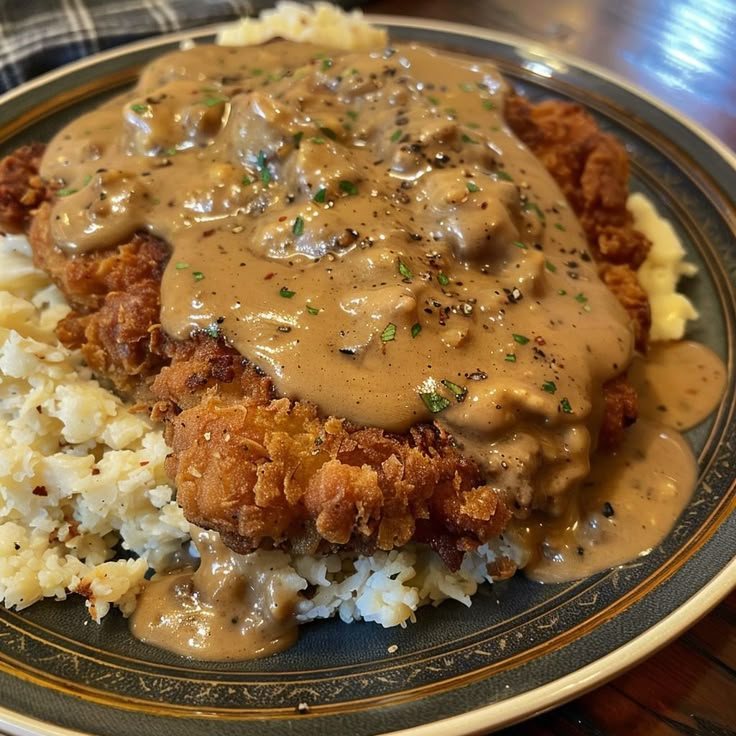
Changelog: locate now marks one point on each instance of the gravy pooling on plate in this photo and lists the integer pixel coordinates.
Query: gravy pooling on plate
(366, 229)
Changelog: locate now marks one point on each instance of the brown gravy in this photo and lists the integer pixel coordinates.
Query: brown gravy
(371, 235)
(230, 608)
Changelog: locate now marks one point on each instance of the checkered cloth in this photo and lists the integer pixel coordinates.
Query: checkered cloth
(39, 35)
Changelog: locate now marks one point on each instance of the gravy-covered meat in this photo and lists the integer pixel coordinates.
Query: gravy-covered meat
(363, 310)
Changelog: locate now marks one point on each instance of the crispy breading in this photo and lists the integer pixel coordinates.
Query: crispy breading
(592, 169)
(21, 187)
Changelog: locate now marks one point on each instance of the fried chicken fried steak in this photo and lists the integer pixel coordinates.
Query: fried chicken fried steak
(453, 244)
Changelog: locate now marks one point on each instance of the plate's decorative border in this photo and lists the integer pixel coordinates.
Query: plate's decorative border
(463, 673)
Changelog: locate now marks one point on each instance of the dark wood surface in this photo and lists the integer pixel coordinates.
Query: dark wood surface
(683, 53)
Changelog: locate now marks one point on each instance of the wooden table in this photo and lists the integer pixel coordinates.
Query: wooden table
(683, 53)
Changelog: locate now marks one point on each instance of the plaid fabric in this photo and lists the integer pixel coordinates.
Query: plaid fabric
(39, 35)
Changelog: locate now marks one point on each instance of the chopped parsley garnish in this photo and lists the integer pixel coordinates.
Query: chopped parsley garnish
(389, 332)
(519, 244)
(181, 266)
(286, 292)
(329, 133)
(246, 181)
(320, 196)
(348, 187)
(396, 135)
(312, 310)
(197, 275)
(550, 266)
(416, 329)
(459, 392)
(467, 139)
(327, 64)
(581, 298)
(505, 176)
(212, 101)
(87, 179)
(317, 140)
(263, 168)
(472, 186)
(521, 339)
(140, 108)
(560, 226)
(549, 386)
(442, 278)
(434, 100)
(352, 114)
(510, 358)
(488, 105)
(562, 292)
(404, 270)
(565, 406)
(298, 227)
(434, 402)
(213, 330)
(534, 207)
(66, 191)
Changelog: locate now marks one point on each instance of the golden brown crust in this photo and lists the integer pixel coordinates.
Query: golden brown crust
(21, 188)
(592, 169)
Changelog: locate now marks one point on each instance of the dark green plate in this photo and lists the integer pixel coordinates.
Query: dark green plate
(521, 647)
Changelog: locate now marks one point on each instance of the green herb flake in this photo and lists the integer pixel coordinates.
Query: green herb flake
(549, 386)
(472, 126)
(87, 179)
(488, 105)
(416, 329)
(348, 187)
(171, 151)
(521, 245)
(329, 133)
(467, 86)
(443, 278)
(434, 100)
(213, 330)
(550, 266)
(317, 140)
(521, 339)
(581, 298)
(246, 181)
(396, 135)
(140, 108)
(352, 114)
(565, 406)
(256, 72)
(327, 64)
(298, 227)
(560, 227)
(534, 207)
(286, 292)
(197, 275)
(212, 101)
(321, 196)
(434, 402)
(562, 292)
(312, 310)
(467, 139)
(66, 191)
(404, 270)
(459, 392)
(510, 358)
(503, 175)
(181, 265)
(263, 168)
(389, 332)
(472, 187)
